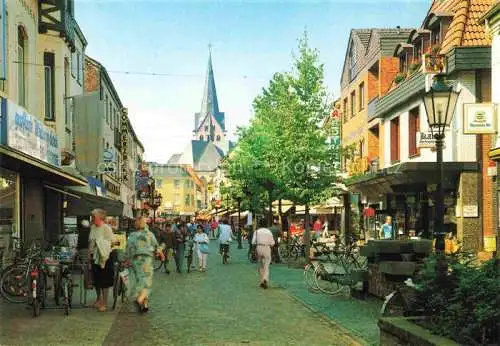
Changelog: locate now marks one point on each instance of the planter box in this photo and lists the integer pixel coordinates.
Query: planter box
(400, 331)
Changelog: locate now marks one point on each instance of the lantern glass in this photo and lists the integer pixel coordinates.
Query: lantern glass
(440, 102)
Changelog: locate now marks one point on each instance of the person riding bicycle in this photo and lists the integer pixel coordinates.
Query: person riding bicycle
(225, 236)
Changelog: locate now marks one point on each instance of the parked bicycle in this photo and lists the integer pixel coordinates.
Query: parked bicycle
(120, 286)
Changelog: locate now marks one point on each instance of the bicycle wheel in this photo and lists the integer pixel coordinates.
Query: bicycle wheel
(157, 262)
(14, 284)
(39, 294)
(116, 287)
(66, 295)
(309, 271)
(329, 278)
(394, 305)
(123, 291)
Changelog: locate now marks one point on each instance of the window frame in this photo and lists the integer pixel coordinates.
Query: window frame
(395, 138)
(49, 86)
(21, 68)
(353, 103)
(413, 129)
(361, 96)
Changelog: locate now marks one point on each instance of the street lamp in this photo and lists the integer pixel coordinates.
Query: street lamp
(156, 202)
(440, 102)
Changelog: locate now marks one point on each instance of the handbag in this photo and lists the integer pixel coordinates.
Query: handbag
(204, 248)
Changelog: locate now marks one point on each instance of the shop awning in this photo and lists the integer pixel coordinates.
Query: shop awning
(31, 167)
(242, 214)
(87, 202)
(407, 177)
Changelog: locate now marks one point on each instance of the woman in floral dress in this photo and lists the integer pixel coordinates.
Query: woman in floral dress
(141, 246)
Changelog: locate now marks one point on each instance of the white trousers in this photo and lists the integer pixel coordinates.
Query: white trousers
(264, 258)
(202, 259)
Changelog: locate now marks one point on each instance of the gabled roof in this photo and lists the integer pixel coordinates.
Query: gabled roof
(174, 159)
(371, 43)
(465, 29)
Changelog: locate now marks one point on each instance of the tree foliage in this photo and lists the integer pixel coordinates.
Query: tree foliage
(284, 149)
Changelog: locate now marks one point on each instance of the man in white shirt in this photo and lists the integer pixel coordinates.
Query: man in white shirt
(225, 236)
(263, 241)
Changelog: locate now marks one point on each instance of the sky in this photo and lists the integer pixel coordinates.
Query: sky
(156, 53)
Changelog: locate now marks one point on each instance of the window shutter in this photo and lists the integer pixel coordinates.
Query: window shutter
(412, 138)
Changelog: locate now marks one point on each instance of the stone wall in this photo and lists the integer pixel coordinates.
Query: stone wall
(469, 229)
(378, 285)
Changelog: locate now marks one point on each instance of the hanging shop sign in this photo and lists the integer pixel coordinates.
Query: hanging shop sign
(434, 63)
(107, 165)
(29, 135)
(124, 145)
(335, 138)
(427, 140)
(3, 40)
(492, 168)
(479, 118)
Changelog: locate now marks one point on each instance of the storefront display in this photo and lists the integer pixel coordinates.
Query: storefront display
(9, 204)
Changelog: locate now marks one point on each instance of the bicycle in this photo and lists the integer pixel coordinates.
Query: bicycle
(38, 279)
(224, 249)
(65, 283)
(120, 282)
(15, 278)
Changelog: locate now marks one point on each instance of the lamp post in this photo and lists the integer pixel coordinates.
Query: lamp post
(440, 102)
(156, 202)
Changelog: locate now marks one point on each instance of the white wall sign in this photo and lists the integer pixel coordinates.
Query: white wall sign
(470, 211)
(28, 134)
(426, 140)
(479, 118)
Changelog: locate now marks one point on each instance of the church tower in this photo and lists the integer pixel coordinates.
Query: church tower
(210, 123)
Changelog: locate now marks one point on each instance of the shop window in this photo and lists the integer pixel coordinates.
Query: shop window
(395, 139)
(413, 129)
(361, 96)
(9, 203)
(21, 66)
(48, 74)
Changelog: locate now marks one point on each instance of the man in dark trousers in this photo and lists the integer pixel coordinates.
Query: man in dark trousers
(167, 237)
(276, 231)
(180, 246)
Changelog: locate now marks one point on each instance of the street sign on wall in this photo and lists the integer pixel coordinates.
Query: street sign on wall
(479, 118)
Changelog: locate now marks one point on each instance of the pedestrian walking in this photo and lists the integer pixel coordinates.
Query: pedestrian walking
(180, 246)
(167, 239)
(202, 250)
(141, 247)
(263, 241)
(213, 227)
(225, 236)
(100, 243)
(276, 231)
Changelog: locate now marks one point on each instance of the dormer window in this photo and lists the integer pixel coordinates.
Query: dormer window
(418, 50)
(403, 62)
(436, 35)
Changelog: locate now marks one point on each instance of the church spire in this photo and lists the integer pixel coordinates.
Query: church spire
(209, 103)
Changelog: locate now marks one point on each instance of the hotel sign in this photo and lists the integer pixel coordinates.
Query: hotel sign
(29, 135)
(479, 118)
(335, 137)
(124, 144)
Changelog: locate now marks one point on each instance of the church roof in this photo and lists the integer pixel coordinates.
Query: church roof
(209, 102)
(174, 159)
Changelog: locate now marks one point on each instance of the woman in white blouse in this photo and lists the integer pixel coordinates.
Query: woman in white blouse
(201, 240)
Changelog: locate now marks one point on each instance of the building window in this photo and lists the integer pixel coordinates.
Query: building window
(353, 104)
(361, 146)
(352, 61)
(206, 128)
(395, 139)
(418, 51)
(79, 65)
(361, 96)
(218, 138)
(345, 110)
(403, 62)
(436, 35)
(177, 184)
(106, 110)
(413, 129)
(187, 200)
(48, 71)
(21, 66)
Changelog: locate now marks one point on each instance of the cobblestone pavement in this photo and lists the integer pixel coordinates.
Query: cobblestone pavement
(223, 306)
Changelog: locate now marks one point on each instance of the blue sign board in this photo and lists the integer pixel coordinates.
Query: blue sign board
(29, 135)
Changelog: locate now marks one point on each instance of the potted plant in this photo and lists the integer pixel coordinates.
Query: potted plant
(399, 78)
